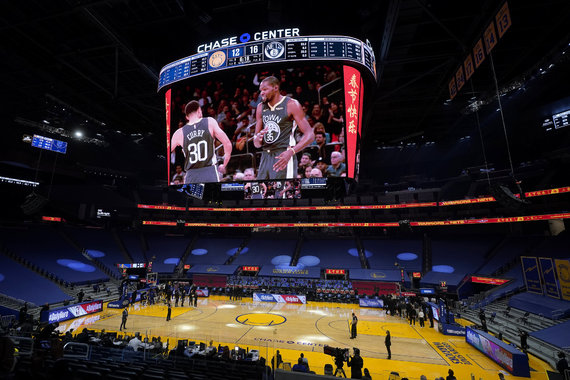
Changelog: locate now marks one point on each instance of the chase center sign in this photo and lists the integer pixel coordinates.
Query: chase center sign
(246, 37)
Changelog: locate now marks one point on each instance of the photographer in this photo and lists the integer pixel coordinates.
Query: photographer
(355, 363)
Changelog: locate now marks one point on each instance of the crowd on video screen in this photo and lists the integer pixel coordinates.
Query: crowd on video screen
(233, 103)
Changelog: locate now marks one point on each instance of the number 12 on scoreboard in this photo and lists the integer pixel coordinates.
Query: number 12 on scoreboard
(236, 52)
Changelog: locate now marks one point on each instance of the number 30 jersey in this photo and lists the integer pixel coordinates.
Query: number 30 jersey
(198, 145)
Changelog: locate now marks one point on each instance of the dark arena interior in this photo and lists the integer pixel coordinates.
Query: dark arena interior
(269, 189)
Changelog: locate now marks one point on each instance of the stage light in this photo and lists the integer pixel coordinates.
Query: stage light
(78, 134)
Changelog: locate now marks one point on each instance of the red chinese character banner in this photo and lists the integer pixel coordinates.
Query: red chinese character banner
(353, 90)
(167, 106)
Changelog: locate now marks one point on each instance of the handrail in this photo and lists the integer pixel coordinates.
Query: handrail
(26, 349)
(74, 350)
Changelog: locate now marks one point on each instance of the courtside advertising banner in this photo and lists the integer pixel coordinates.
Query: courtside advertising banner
(508, 357)
(371, 303)
(202, 292)
(531, 274)
(549, 276)
(279, 298)
(73, 311)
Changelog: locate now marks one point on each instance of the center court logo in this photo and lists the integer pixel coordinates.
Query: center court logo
(274, 50)
(261, 319)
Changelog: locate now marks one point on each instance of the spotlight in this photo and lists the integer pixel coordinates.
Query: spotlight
(78, 134)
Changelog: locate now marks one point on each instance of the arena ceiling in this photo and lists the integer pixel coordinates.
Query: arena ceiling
(101, 58)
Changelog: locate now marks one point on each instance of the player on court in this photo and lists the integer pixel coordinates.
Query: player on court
(277, 118)
(197, 139)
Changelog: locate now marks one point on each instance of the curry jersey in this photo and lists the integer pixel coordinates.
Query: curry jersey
(280, 128)
(198, 146)
(256, 191)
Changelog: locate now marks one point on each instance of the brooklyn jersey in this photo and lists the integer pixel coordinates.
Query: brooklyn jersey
(280, 128)
(198, 145)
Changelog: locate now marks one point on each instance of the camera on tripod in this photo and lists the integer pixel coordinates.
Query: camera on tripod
(339, 354)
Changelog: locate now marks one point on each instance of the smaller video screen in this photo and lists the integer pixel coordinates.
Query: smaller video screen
(290, 189)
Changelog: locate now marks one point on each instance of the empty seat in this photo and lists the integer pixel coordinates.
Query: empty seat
(83, 374)
(148, 376)
(118, 377)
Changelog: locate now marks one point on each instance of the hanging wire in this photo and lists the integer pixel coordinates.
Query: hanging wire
(502, 115)
(38, 166)
(52, 174)
(481, 138)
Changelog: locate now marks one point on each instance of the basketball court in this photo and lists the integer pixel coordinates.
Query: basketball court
(296, 328)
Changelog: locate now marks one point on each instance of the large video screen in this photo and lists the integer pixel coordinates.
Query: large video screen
(261, 123)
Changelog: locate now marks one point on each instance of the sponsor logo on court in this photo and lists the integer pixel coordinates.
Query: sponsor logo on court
(451, 353)
(300, 343)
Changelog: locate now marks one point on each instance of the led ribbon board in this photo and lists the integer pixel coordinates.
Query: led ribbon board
(265, 51)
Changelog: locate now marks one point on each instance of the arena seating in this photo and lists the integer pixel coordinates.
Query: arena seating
(543, 340)
(164, 250)
(332, 253)
(539, 304)
(20, 282)
(462, 253)
(133, 243)
(554, 246)
(261, 251)
(217, 251)
(510, 249)
(453, 258)
(517, 283)
(384, 253)
(557, 335)
(43, 246)
(133, 366)
(98, 242)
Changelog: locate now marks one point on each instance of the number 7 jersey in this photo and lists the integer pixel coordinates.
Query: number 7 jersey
(198, 146)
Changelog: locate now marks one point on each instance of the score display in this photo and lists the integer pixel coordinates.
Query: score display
(49, 144)
(336, 48)
(561, 119)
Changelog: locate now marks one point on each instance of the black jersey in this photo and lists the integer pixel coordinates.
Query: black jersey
(198, 145)
(280, 128)
(256, 190)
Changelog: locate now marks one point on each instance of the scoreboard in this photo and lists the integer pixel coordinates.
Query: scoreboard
(338, 48)
(561, 119)
(49, 144)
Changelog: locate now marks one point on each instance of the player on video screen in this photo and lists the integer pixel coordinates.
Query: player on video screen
(197, 140)
(277, 118)
(255, 190)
